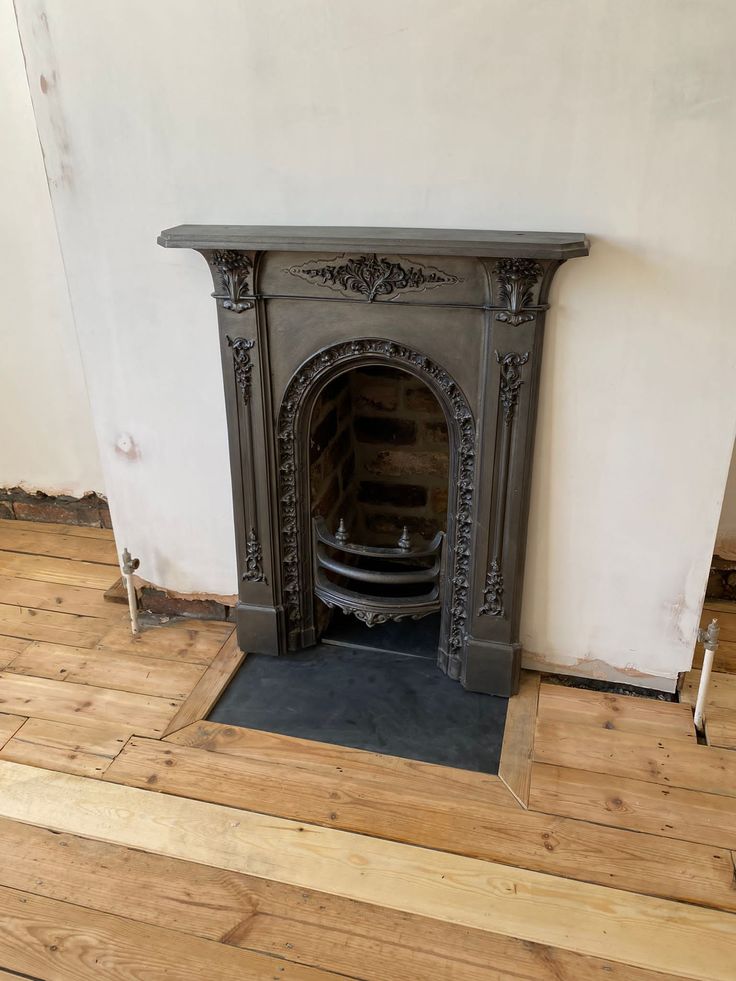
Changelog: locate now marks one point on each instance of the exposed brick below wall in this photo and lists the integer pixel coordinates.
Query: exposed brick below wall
(91, 510)
(158, 601)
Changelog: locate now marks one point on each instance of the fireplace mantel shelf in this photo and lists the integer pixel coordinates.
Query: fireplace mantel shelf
(407, 241)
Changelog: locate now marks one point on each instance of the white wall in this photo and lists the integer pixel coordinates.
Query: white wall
(611, 117)
(47, 440)
(726, 536)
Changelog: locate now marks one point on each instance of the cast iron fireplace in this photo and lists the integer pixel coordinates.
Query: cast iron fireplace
(460, 314)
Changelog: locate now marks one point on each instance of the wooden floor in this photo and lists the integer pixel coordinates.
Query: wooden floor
(140, 842)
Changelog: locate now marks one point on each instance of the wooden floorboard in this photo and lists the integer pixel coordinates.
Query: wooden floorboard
(95, 575)
(56, 598)
(654, 934)
(60, 546)
(29, 624)
(515, 766)
(82, 750)
(640, 756)
(142, 674)
(636, 805)
(306, 926)
(181, 640)
(720, 727)
(64, 942)
(53, 527)
(558, 703)
(435, 807)
(9, 725)
(64, 701)
(206, 691)
(721, 690)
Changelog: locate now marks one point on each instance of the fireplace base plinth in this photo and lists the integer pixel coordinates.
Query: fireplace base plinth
(492, 667)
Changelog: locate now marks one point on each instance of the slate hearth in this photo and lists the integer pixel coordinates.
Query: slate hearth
(462, 314)
(396, 704)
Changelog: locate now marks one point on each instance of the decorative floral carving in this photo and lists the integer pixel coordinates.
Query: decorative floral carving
(493, 593)
(517, 279)
(253, 559)
(234, 269)
(371, 275)
(464, 475)
(242, 364)
(510, 381)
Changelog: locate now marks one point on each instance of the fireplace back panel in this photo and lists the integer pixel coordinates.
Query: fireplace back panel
(464, 313)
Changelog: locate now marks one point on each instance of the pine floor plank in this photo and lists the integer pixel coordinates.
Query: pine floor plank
(61, 546)
(721, 690)
(142, 674)
(720, 727)
(203, 695)
(640, 756)
(65, 628)
(629, 713)
(51, 527)
(306, 926)
(653, 934)
(82, 750)
(515, 766)
(179, 640)
(277, 750)
(55, 597)
(9, 725)
(63, 701)
(63, 942)
(636, 805)
(65, 571)
(435, 807)
(10, 648)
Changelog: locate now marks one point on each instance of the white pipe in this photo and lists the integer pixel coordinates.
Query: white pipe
(128, 567)
(709, 638)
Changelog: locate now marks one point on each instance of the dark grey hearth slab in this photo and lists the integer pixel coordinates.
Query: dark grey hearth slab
(385, 703)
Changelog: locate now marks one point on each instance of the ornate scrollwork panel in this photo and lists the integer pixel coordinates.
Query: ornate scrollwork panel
(372, 276)
(462, 419)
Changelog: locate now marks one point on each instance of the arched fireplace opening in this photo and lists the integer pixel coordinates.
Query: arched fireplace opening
(379, 465)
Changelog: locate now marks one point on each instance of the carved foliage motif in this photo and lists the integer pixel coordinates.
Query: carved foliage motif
(493, 593)
(510, 382)
(234, 270)
(508, 396)
(242, 364)
(253, 559)
(517, 279)
(464, 474)
(371, 276)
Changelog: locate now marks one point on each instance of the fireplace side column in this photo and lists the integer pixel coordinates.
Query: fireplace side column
(246, 379)
(510, 386)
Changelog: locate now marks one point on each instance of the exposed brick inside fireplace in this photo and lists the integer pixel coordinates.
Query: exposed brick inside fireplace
(379, 456)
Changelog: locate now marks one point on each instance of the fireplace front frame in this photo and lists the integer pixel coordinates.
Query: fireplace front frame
(393, 287)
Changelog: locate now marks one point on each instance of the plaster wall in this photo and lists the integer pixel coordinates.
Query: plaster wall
(47, 440)
(611, 117)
